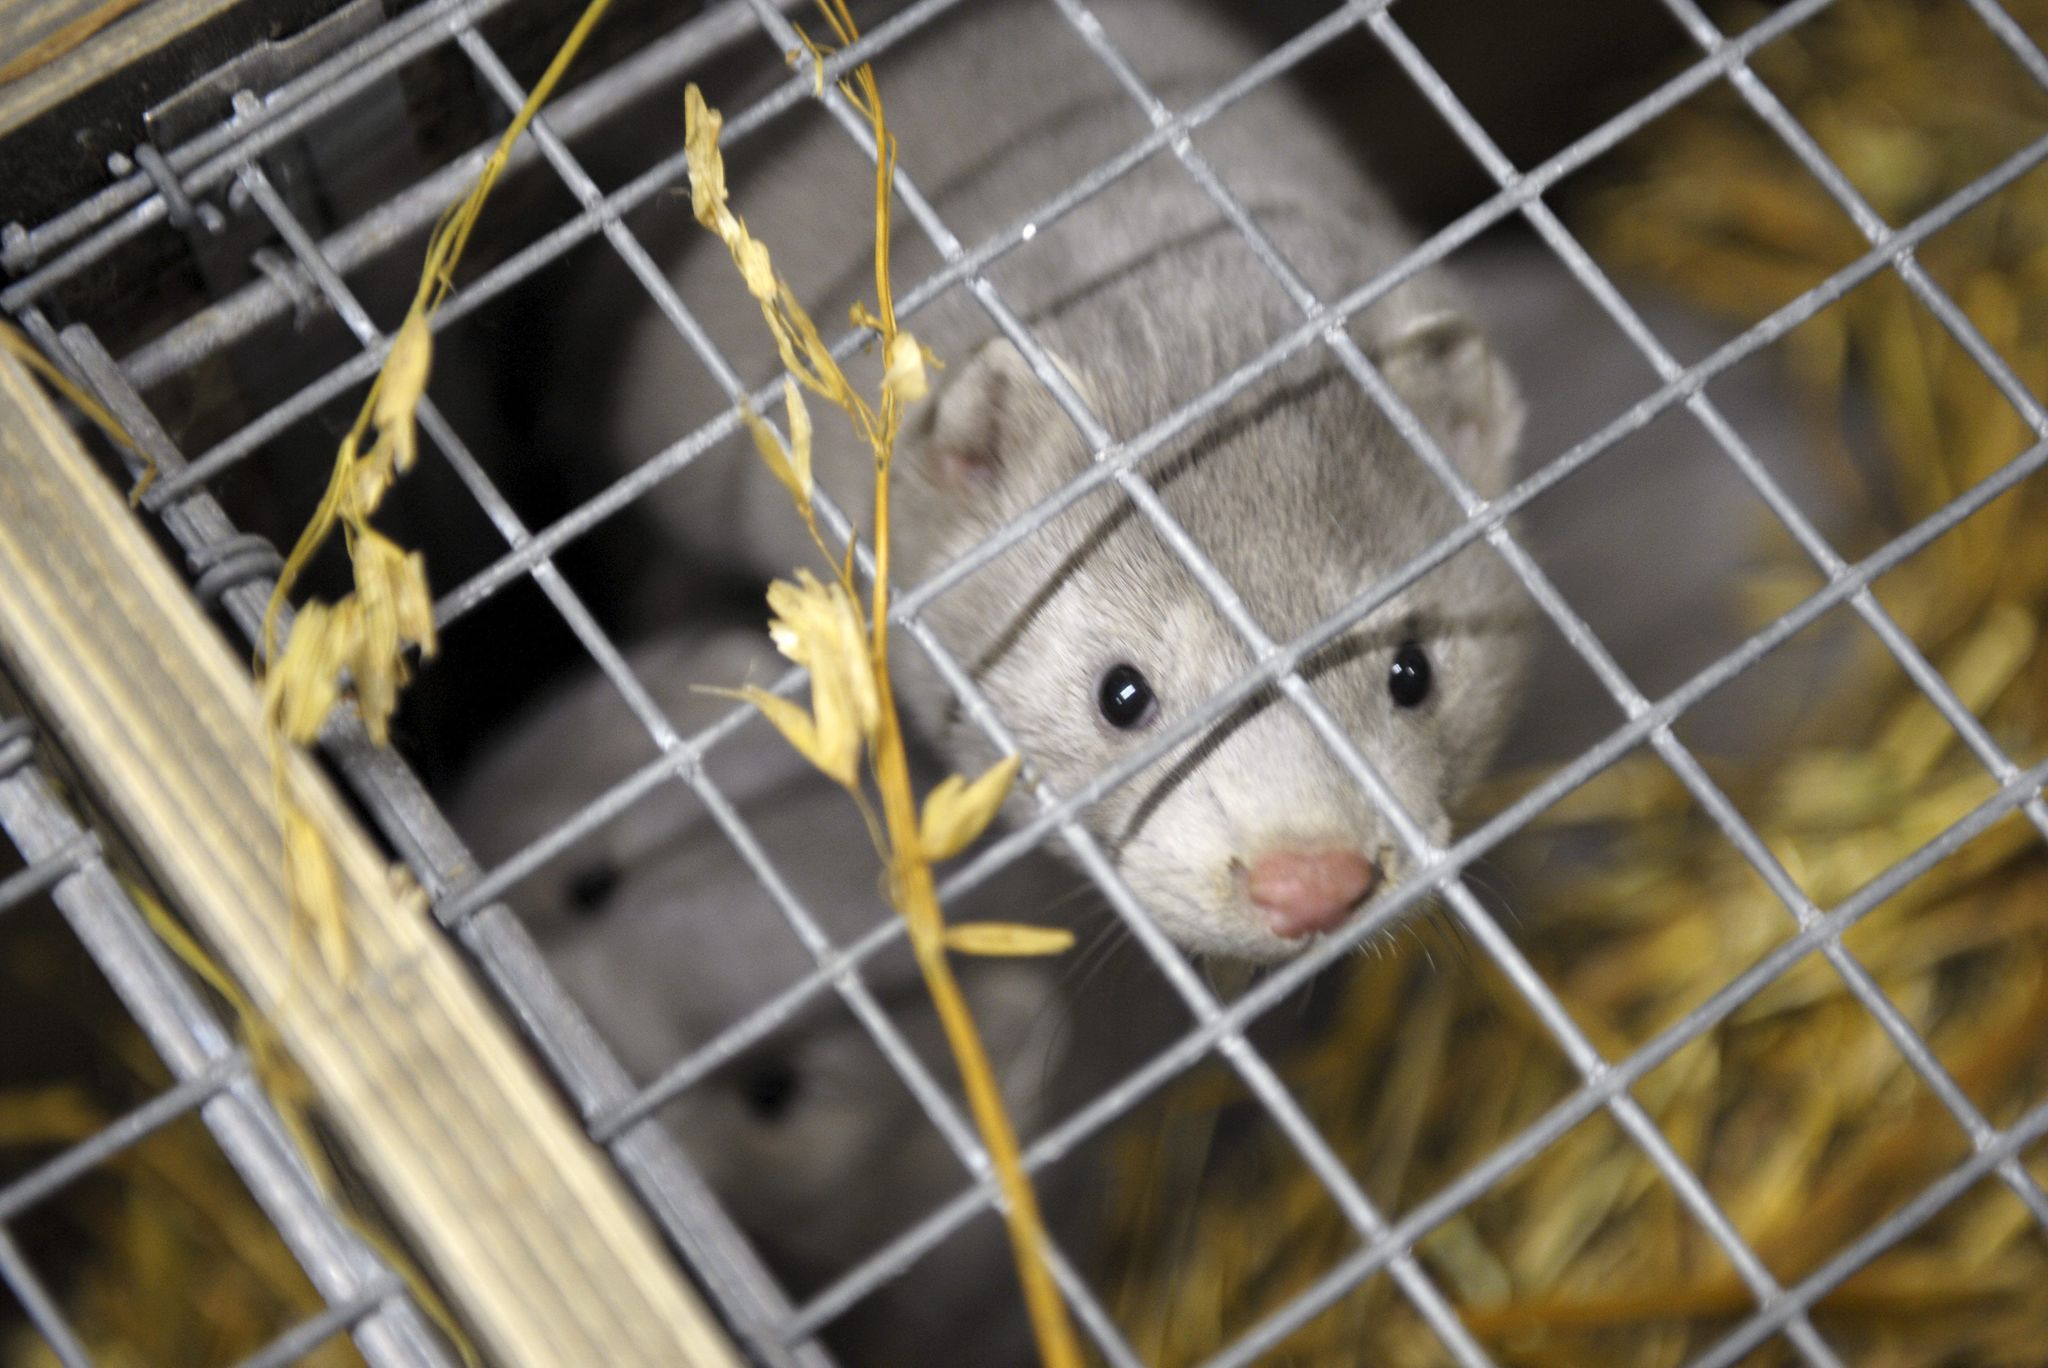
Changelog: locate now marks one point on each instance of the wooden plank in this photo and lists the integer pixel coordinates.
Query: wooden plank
(519, 1216)
(51, 50)
(33, 33)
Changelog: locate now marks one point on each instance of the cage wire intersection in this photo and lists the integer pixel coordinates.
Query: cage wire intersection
(215, 1080)
(617, 1114)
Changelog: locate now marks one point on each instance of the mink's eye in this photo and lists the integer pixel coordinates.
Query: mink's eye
(769, 1087)
(589, 889)
(1408, 679)
(1125, 697)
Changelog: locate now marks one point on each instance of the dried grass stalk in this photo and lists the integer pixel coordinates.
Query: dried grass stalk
(821, 626)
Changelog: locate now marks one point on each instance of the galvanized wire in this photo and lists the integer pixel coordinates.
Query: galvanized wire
(675, 1194)
(302, 1339)
(103, 1144)
(618, 1115)
(210, 158)
(42, 1308)
(927, 1090)
(213, 1080)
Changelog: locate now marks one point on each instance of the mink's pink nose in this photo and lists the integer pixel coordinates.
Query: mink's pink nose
(1306, 891)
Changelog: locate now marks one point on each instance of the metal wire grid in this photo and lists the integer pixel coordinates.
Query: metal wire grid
(239, 571)
(362, 1296)
(619, 1119)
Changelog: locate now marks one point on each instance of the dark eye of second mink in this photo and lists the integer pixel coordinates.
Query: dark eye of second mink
(1125, 697)
(1408, 679)
(769, 1087)
(589, 889)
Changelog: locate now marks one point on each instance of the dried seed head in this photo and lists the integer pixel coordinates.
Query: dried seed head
(955, 811)
(1007, 939)
(818, 626)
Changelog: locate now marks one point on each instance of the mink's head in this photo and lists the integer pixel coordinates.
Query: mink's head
(1251, 837)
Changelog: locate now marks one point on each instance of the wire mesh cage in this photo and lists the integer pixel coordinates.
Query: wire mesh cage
(60, 862)
(1677, 1047)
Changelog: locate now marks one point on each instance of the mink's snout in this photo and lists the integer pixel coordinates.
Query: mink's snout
(1303, 892)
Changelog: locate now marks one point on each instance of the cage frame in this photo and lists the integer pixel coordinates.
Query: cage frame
(489, 1176)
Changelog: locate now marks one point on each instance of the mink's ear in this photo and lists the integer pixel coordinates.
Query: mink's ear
(957, 434)
(982, 416)
(1443, 368)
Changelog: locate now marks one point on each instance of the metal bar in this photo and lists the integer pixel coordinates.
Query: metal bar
(930, 1095)
(1473, 846)
(393, 220)
(671, 1189)
(443, 1110)
(42, 1308)
(1966, 334)
(624, 1118)
(2004, 1149)
(1357, 1207)
(1628, 1113)
(210, 159)
(185, 1034)
(1860, 983)
(657, 179)
(103, 1144)
(2008, 31)
(308, 1335)
(45, 874)
(1425, 1216)
(209, 463)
